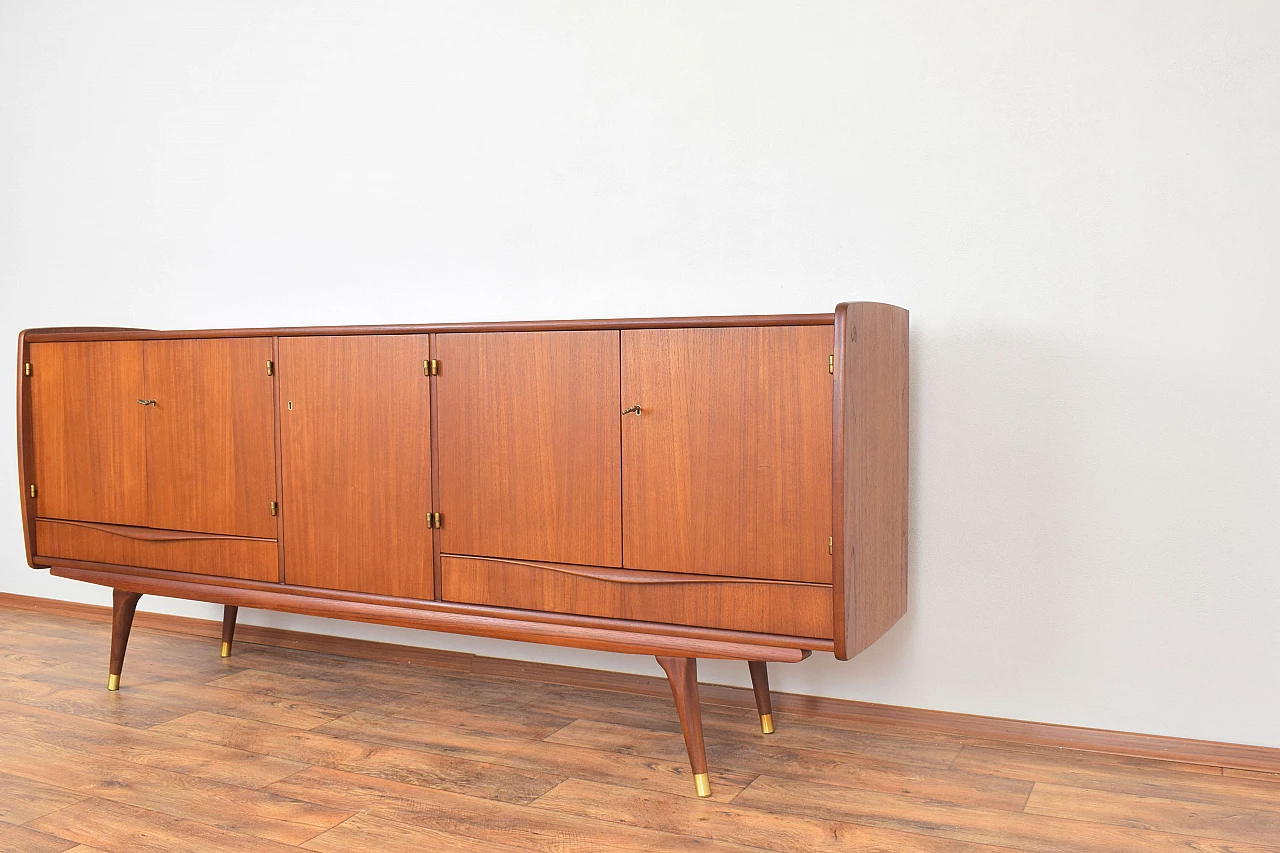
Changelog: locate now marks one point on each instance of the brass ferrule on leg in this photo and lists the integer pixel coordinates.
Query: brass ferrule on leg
(766, 723)
(702, 784)
(113, 682)
(226, 650)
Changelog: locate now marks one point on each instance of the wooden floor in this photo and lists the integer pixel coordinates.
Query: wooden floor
(277, 749)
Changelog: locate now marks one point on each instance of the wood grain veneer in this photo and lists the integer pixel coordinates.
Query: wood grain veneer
(869, 474)
(356, 462)
(727, 468)
(734, 603)
(527, 428)
(207, 554)
(210, 436)
(87, 431)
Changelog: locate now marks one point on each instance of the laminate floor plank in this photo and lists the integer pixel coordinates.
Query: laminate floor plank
(483, 717)
(1019, 830)
(428, 769)
(147, 747)
(24, 839)
(90, 703)
(548, 757)
(23, 799)
(184, 693)
(489, 821)
(437, 687)
(308, 689)
(277, 749)
(1251, 774)
(365, 832)
(1099, 773)
(738, 742)
(14, 662)
(1202, 820)
(759, 754)
(760, 828)
(119, 828)
(244, 810)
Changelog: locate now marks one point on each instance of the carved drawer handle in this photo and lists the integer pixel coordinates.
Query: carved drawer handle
(146, 402)
(634, 410)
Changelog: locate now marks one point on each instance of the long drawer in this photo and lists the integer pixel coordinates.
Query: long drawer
(740, 604)
(144, 547)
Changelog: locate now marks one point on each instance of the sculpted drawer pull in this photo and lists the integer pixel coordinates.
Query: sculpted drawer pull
(146, 402)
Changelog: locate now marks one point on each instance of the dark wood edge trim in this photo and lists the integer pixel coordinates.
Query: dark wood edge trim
(839, 587)
(67, 330)
(26, 453)
(750, 638)
(598, 639)
(634, 576)
(1161, 747)
(281, 509)
(420, 329)
(148, 534)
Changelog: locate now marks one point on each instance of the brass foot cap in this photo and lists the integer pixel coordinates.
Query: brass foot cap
(766, 723)
(113, 682)
(702, 783)
(226, 650)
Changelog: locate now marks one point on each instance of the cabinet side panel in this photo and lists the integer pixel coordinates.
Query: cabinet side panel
(529, 451)
(727, 468)
(210, 436)
(875, 425)
(87, 431)
(356, 460)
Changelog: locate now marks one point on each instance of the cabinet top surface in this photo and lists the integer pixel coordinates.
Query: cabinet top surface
(100, 333)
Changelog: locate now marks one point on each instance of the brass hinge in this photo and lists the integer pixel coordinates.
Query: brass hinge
(430, 367)
(274, 507)
(33, 490)
(831, 364)
(433, 520)
(831, 544)
(27, 369)
(271, 367)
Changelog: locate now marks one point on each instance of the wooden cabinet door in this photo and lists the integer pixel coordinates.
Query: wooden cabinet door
(727, 469)
(210, 436)
(88, 431)
(528, 446)
(355, 428)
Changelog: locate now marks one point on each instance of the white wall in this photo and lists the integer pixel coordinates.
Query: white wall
(1078, 202)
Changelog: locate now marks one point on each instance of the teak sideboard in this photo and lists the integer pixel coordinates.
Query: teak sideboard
(714, 487)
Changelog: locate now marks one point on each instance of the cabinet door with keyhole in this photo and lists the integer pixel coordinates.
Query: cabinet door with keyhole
(210, 436)
(355, 434)
(727, 464)
(528, 446)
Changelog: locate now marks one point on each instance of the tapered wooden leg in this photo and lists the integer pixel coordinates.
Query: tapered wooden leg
(760, 684)
(228, 628)
(123, 604)
(683, 675)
